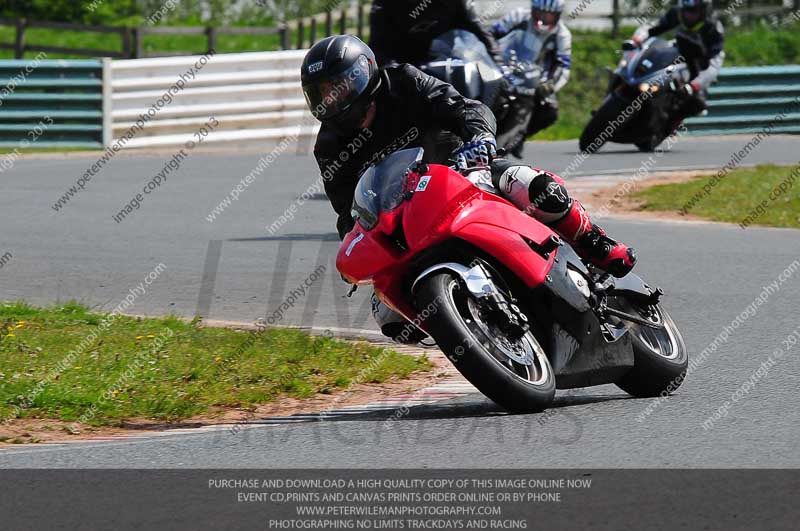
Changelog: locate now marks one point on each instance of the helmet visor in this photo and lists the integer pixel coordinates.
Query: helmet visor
(545, 18)
(691, 15)
(334, 95)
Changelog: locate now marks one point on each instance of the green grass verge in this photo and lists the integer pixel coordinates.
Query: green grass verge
(744, 196)
(165, 368)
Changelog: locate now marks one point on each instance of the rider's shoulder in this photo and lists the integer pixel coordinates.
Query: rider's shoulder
(715, 23)
(402, 73)
(400, 69)
(674, 13)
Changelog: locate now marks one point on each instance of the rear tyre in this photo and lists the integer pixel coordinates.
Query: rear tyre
(660, 357)
(592, 138)
(515, 374)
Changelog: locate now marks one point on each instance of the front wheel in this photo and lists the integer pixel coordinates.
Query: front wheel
(660, 357)
(594, 134)
(650, 145)
(514, 373)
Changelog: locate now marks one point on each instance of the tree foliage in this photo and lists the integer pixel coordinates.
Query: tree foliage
(89, 12)
(131, 12)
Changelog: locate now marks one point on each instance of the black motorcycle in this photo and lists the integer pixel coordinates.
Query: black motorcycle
(644, 97)
(459, 58)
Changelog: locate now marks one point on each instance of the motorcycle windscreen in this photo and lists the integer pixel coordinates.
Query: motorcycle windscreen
(381, 187)
(658, 56)
(521, 48)
(464, 77)
(460, 44)
(520, 45)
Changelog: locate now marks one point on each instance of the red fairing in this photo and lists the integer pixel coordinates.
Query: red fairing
(363, 255)
(443, 205)
(452, 207)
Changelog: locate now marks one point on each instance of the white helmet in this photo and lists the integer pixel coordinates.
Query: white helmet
(550, 6)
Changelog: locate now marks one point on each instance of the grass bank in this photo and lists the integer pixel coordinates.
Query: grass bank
(764, 195)
(165, 368)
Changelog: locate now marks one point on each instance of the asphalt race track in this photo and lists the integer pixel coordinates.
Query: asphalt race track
(235, 269)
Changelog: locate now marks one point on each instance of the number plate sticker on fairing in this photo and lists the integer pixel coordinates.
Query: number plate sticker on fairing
(423, 184)
(353, 244)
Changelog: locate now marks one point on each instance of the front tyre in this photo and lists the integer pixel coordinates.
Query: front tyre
(592, 137)
(514, 373)
(660, 357)
(650, 145)
(646, 147)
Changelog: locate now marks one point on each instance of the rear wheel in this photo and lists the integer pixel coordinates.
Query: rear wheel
(513, 372)
(660, 357)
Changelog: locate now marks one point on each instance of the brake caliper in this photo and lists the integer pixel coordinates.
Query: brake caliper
(508, 317)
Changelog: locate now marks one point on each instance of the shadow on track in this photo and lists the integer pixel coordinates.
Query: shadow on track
(472, 406)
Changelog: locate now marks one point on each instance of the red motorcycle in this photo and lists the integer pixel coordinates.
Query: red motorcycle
(511, 304)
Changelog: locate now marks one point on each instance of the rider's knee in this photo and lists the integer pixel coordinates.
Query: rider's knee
(545, 115)
(538, 193)
(548, 196)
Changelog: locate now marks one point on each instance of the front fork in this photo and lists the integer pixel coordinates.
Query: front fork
(478, 281)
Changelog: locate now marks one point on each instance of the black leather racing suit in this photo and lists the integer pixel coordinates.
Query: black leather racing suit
(413, 110)
(702, 47)
(402, 30)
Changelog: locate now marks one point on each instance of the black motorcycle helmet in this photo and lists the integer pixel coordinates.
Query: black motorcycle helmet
(340, 78)
(692, 13)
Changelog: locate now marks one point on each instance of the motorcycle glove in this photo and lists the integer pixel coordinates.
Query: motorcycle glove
(546, 89)
(691, 88)
(480, 152)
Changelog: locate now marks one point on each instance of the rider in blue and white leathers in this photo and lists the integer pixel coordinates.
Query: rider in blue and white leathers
(550, 45)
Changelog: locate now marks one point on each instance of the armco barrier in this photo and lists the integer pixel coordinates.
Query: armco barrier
(53, 103)
(746, 99)
(254, 96)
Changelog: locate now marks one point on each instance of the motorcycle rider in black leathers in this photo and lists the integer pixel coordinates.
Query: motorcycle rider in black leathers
(368, 113)
(401, 31)
(700, 39)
